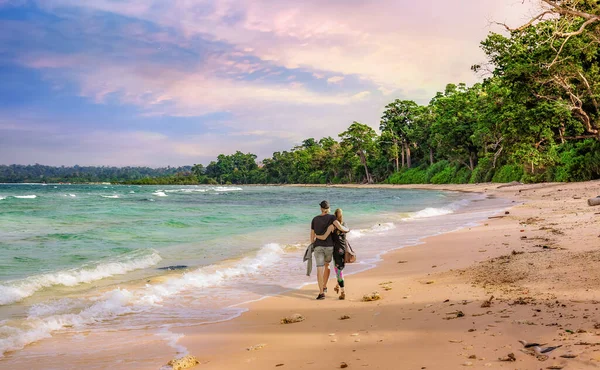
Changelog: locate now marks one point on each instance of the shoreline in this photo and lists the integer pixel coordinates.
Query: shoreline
(59, 338)
(412, 301)
(412, 308)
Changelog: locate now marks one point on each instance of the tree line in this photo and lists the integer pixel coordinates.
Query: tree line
(535, 117)
(85, 174)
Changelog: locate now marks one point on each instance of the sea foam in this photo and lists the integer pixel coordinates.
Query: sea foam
(17, 290)
(110, 305)
(159, 193)
(213, 275)
(223, 188)
(110, 196)
(449, 209)
(430, 212)
(44, 320)
(377, 228)
(25, 196)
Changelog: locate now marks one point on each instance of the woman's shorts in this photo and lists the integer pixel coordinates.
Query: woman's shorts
(323, 255)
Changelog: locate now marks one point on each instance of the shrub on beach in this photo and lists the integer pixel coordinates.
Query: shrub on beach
(509, 173)
(579, 162)
(435, 168)
(445, 176)
(409, 176)
(441, 172)
(483, 172)
(463, 175)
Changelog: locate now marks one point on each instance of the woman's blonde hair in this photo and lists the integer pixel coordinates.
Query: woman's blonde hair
(339, 215)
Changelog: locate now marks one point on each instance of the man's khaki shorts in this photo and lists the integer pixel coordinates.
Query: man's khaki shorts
(323, 255)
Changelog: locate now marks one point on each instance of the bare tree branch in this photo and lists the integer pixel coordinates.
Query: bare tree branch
(559, 9)
(580, 30)
(558, 53)
(538, 17)
(589, 89)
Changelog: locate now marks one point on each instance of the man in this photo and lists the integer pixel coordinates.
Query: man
(323, 249)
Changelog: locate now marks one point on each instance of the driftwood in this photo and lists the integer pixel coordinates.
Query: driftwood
(594, 201)
(514, 183)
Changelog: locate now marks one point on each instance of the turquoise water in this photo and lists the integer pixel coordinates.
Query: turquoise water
(87, 258)
(68, 226)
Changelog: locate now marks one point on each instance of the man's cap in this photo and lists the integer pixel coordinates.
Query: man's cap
(324, 204)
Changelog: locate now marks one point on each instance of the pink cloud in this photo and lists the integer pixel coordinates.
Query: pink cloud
(392, 43)
(335, 79)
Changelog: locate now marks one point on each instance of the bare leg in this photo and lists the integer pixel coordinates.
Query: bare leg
(320, 276)
(325, 276)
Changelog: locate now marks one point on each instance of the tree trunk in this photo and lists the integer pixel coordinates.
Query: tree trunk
(496, 155)
(431, 156)
(471, 162)
(397, 158)
(408, 161)
(403, 158)
(363, 159)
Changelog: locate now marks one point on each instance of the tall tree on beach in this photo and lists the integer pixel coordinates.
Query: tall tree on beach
(398, 123)
(555, 56)
(455, 121)
(360, 138)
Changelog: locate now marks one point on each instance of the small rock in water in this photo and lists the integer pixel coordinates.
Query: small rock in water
(344, 317)
(343, 365)
(173, 268)
(183, 362)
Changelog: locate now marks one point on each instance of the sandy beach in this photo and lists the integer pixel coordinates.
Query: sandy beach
(538, 264)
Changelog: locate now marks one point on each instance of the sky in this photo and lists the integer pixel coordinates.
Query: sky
(178, 82)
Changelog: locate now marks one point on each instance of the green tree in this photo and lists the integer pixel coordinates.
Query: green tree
(360, 138)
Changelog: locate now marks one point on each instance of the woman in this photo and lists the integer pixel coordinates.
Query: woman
(339, 230)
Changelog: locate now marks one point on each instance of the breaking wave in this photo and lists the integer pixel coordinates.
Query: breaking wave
(17, 290)
(46, 319)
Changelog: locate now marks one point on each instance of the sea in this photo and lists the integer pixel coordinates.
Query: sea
(77, 261)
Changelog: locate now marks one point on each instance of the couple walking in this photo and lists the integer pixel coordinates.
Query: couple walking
(328, 239)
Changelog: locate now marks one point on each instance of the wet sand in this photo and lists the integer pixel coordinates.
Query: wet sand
(540, 262)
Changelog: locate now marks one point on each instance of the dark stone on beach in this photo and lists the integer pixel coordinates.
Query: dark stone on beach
(173, 268)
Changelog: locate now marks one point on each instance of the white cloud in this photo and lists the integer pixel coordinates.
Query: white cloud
(335, 79)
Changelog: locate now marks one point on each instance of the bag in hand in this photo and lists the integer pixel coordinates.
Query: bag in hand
(350, 256)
